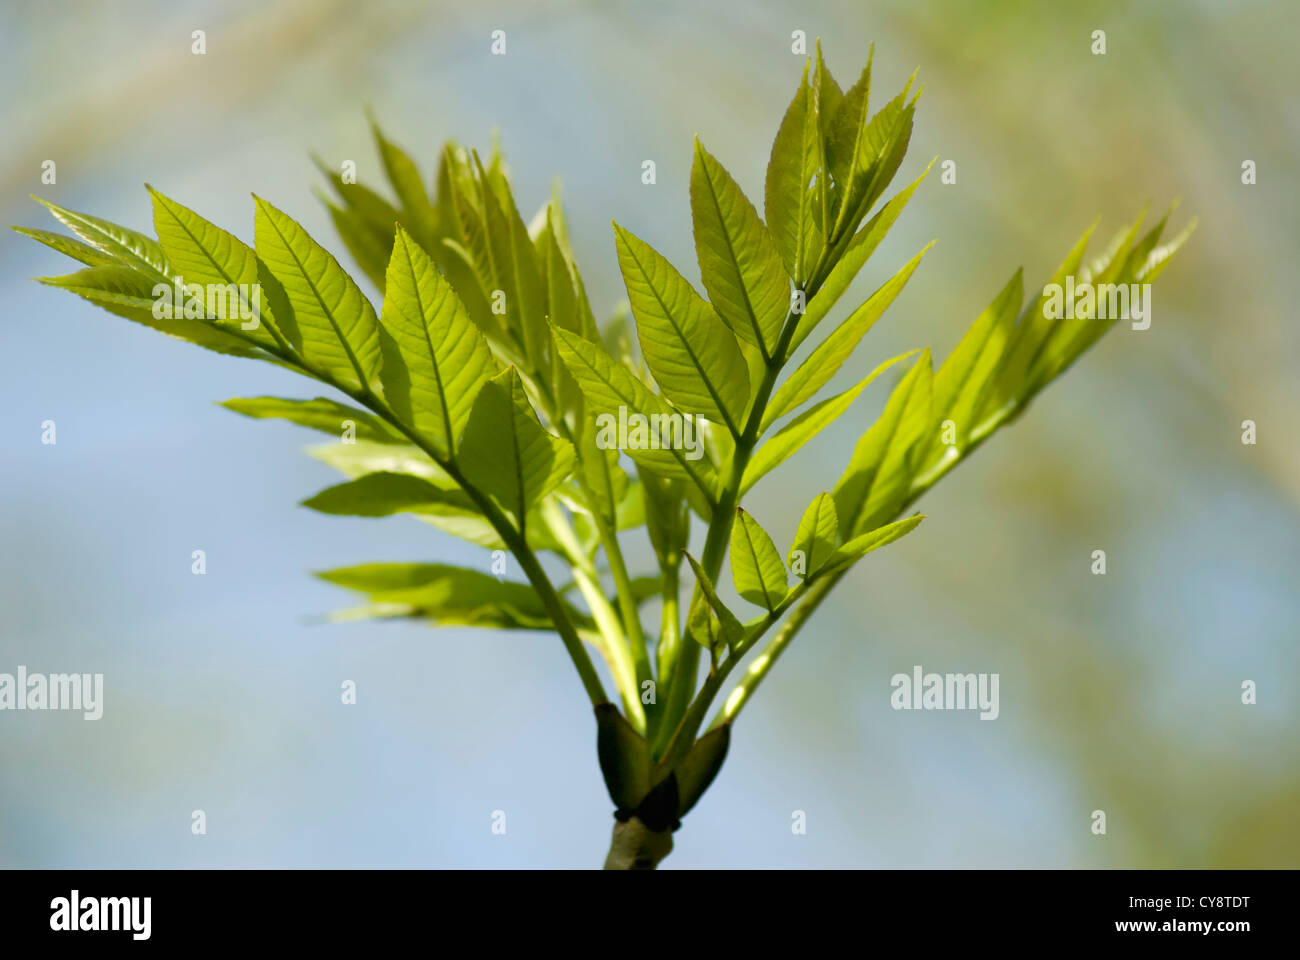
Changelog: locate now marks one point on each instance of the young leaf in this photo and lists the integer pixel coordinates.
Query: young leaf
(860, 546)
(609, 386)
(129, 293)
(1009, 384)
(826, 100)
(814, 541)
(512, 266)
(878, 478)
(408, 185)
(788, 195)
(690, 351)
(75, 249)
(756, 567)
(337, 325)
(604, 483)
(506, 453)
(364, 456)
(371, 210)
(847, 124)
(201, 252)
(804, 427)
(846, 268)
(732, 630)
(667, 518)
(875, 158)
(825, 361)
(739, 264)
(435, 359)
(384, 494)
(371, 252)
(128, 247)
(960, 383)
(447, 595)
(327, 416)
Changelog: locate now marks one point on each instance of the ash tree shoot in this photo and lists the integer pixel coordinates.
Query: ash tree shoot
(484, 397)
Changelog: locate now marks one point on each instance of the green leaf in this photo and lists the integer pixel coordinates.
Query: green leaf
(789, 191)
(961, 382)
(700, 766)
(447, 595)
(790, 438)
(826, 100)
(364, 456)
(128, 247)
(384, 494)
(408, 185)
(860, 546)
(1159, 257)
(371, 252)
(506, 453)
(863, 245)
(624, 758)
(75, 249)
(668, 520)
(604, 484)
(327, 416)
(512, 266)
(876, 156)
(202, 253)
(378, 216)
(435, 359)
(756, 567)
(1121, 266)
(690, 351)
(830, 354)
(732, 629)
(815, 540)
(128, 293)
(739, 263)
(1010, 382)
(607, 386)
(847, 124)
(336, 323)
(878, 479)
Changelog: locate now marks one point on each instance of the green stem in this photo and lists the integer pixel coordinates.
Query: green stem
(614, 647)
(512, 538)
(757, 670)
(682, 684)
(626, 600)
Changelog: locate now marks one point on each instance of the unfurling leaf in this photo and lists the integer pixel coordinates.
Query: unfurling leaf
(756, 567)
(435, 359)
(327, 416)
(860, 546)
(384, 494)
(336, 323)
(739, 264)
(506, 453)
(690, 351)
(815, 540)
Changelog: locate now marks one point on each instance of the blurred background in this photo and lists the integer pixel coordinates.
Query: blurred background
(1119, 692)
